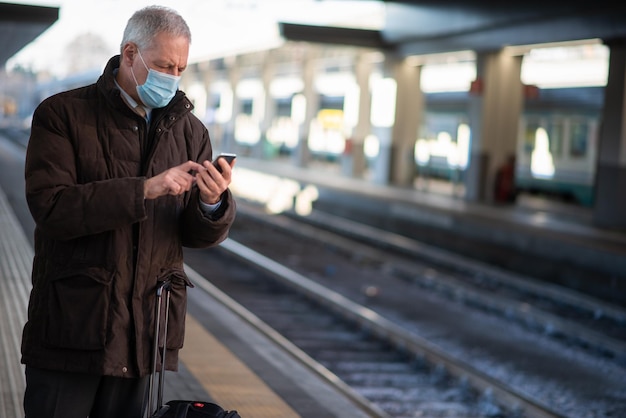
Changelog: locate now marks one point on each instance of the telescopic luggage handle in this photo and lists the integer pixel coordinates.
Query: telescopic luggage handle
(163, 287)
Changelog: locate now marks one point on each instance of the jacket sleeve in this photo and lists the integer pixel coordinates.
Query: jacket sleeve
(200, 230)
(65, 202)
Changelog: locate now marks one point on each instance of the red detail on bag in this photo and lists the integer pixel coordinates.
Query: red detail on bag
(198, 405)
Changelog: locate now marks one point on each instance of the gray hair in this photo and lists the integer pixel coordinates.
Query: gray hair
(148, 22)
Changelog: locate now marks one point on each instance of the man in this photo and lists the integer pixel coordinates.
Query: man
(118, 180)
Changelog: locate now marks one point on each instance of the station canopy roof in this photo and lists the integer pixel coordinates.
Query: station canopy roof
(411, 27)
(418, 27)
(20, 24)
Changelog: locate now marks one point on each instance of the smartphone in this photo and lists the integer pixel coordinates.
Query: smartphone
(227, 155)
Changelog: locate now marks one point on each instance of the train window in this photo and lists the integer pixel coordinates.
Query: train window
(331, 102)
(283, 107)
(246, 106)
(556, 130)
(579, 138)
(437, 123)
(529, 135)
(215, 100)
(442, 143)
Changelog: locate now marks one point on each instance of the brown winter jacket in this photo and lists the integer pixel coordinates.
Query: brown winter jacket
(100, 248)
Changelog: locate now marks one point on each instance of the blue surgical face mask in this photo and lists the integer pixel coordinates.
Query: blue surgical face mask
(159, 87)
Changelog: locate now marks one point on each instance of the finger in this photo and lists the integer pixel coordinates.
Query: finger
(173, 189)
(210, 173)
(178, 182)
(185, 182)
(205, 181)
(181, 187)
(225, 174)
(191, 166)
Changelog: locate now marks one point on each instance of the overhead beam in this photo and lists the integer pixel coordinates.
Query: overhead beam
(20, 24)
(333, 35)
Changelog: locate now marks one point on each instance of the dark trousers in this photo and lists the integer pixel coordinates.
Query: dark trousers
(54, 394)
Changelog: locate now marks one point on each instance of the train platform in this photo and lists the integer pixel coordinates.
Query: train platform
(225, 358)
(547, 231)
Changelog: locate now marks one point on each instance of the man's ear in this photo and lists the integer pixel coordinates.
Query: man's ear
(129, 52)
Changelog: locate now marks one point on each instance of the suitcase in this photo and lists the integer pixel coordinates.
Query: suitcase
(174, 408)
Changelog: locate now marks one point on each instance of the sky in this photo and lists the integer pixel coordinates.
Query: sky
(218, 27)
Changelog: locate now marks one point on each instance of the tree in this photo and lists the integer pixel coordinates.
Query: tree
(87, 52)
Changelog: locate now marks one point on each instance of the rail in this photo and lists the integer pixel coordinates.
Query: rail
(382, 327)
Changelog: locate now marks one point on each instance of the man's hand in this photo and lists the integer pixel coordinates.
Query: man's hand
(179, 179)
(176, 180)
(211, 182)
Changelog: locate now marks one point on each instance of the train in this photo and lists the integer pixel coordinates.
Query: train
(556, 149)
(557, 141)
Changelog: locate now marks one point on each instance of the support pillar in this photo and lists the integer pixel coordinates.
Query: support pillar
(302, 155)
(207, 76)
(262, 148)
(494, 111)
(228, 144)
(382, 117)
(356, 163)
(409, 113)
(610, 201)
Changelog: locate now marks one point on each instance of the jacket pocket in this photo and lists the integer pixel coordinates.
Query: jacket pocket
(78, 306)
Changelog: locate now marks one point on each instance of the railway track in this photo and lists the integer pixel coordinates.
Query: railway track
(483, 360)
(384, 369)
(575, 318)
(549, 309)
